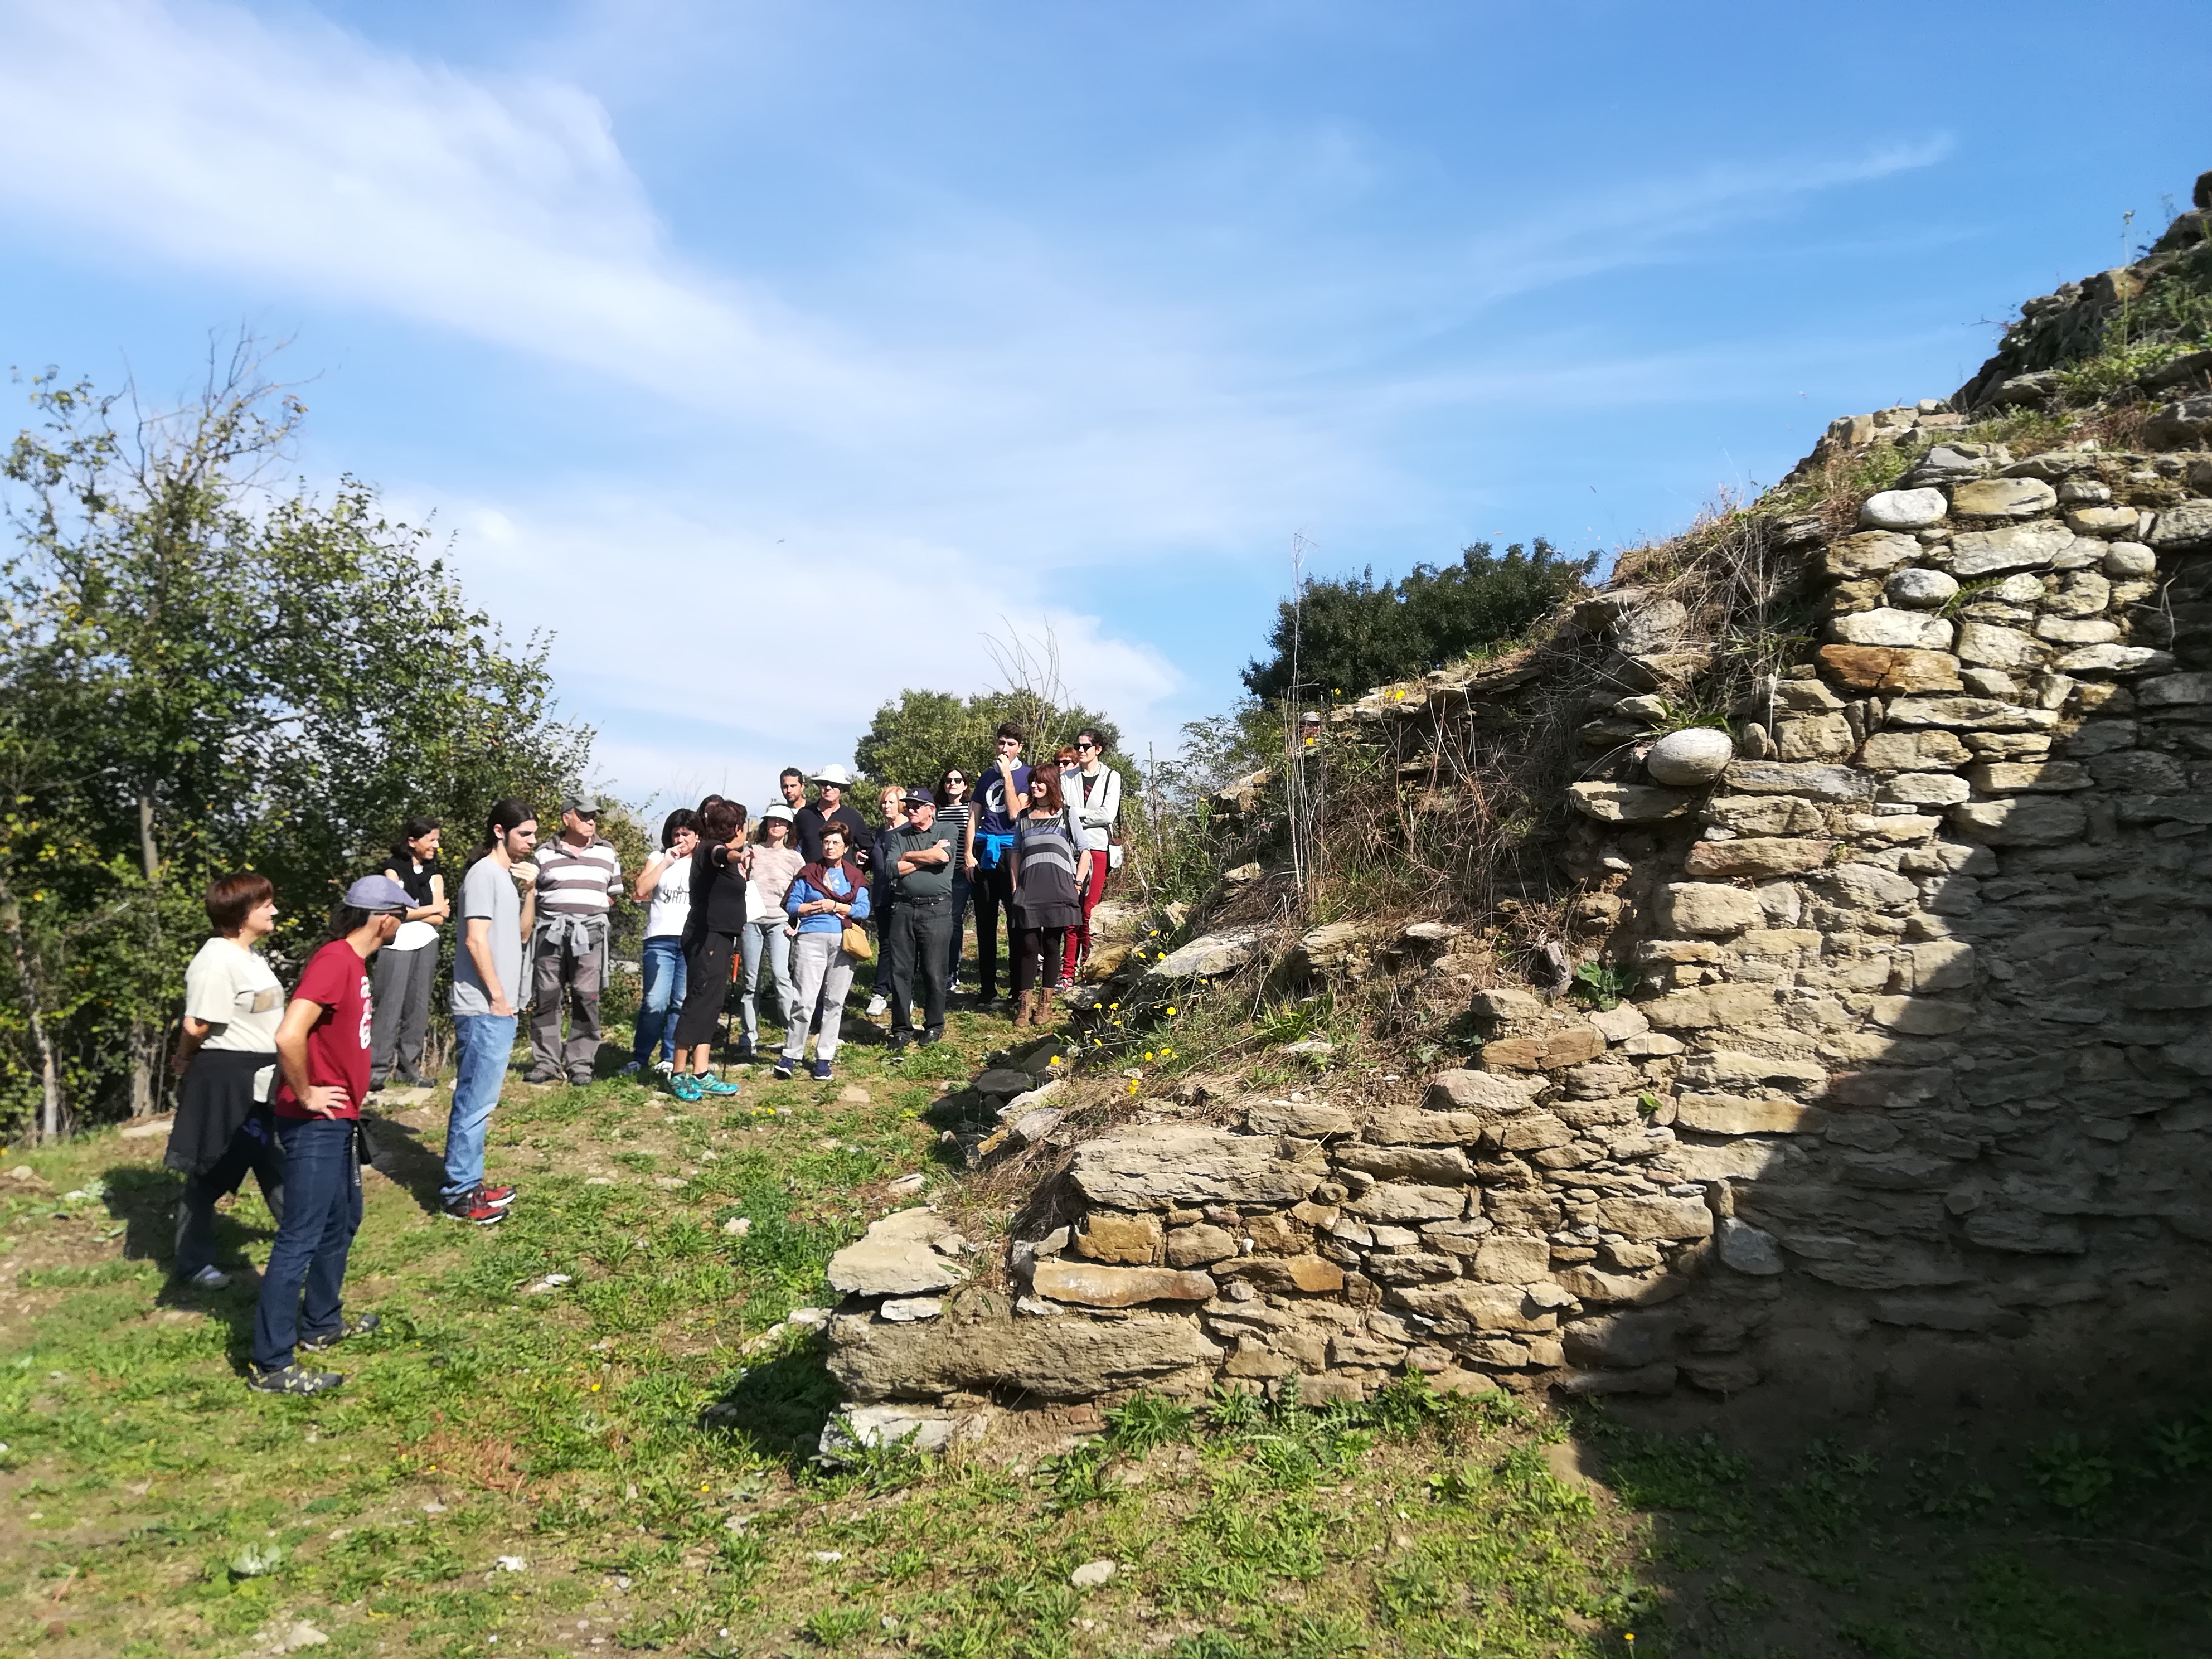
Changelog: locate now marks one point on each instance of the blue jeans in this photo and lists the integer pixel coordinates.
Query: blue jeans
(764, 938)
(486, 1042)
(661, 997)
(322, 1211)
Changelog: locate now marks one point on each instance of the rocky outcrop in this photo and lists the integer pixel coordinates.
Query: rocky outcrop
(1909, 1092)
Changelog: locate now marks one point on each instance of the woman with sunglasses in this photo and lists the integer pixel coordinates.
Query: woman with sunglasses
(1094, 801)
(954, 809)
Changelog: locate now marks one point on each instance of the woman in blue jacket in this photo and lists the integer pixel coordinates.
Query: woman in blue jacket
(823, 897)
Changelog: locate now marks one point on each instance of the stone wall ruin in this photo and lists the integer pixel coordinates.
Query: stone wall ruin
(1911, 1098)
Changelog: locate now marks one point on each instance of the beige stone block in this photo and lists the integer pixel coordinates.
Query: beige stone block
(2022, 777)
(1655, 1217)
(1131, 1240)
(1756, 856)
(1734, 1115)
(1891, 668)
(1510, 1261)
(1098, 1287)
(1283, 1273)
(1198, 1247)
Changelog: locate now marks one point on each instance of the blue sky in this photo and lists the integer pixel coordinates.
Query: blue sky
(774, 355)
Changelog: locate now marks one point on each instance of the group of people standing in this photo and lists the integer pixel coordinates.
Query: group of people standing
(275, 1087)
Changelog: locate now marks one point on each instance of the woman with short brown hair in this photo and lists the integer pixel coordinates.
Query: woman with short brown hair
(224, 1126)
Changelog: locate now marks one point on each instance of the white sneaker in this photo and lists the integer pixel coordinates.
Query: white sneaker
(664, 1068)
(209, 1278)
(876, 1006)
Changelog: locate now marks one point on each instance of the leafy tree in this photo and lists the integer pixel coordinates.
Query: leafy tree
(207, 672)
(1353, 634)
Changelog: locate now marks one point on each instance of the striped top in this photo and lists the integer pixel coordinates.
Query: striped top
(577, 881)
(953, 820)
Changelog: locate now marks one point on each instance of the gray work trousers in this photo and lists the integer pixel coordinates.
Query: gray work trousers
(402, 1016)
(575, 967)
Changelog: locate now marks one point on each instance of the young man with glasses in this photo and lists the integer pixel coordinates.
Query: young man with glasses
(986, 856)
(1094, 801)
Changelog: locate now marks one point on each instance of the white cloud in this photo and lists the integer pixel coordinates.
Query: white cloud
(720, 657)
(1039, 399)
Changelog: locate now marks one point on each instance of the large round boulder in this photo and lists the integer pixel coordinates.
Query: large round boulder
(1696, 755)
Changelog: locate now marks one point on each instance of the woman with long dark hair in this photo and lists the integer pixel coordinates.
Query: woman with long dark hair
(1050, 871)
(664, 886)
(406, 968)
(712, 928)
(223, 1125)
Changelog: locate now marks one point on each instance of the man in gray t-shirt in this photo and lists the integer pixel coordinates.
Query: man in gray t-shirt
(487, 980)
(488, 892)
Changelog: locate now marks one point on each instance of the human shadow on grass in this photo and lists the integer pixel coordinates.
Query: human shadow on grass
(777, 1408)
(397, 1153)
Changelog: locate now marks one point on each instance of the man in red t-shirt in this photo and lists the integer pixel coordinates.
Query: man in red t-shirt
(322, 1049)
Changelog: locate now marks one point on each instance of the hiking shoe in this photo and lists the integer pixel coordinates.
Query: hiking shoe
(745, 1050)
(821, 1072)
(664, 1068)
(782, 1072)
(630, 1070)
(209, 1278)
(900, 1041)
(542, 1076)
(323, 1341)
(498, 1197)
(684, 1086)
(715, 1086)
(471, 1208)
(294, 1378)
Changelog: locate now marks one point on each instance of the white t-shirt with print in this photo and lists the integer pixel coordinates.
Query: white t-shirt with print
(230, 986)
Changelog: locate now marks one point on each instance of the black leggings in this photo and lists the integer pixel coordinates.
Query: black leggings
(1035, 947)
(706, 985)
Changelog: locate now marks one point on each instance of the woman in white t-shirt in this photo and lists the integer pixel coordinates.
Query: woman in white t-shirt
(665, 887)
(224, 1126)
(766, 939)
(405, 968)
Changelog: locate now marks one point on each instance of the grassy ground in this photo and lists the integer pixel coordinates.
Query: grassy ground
(521, 1466)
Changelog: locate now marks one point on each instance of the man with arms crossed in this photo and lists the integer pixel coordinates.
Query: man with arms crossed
(579, 873)
(487, 977)
(920, 879)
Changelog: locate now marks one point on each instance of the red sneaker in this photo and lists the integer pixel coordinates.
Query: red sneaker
(498, 1197)
(471, 1208)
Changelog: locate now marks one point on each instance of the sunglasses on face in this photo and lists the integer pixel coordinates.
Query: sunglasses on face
(1091, 746)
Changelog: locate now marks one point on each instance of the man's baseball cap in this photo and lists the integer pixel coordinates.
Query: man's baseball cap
(377, 893)
(589, 805)
(920, 798)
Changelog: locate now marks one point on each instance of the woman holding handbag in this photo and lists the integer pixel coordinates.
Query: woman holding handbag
(827, 901)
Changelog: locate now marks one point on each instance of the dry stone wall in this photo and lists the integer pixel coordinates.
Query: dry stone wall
(1909, 1098)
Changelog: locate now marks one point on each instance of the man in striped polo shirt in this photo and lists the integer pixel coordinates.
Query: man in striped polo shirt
(579, 874)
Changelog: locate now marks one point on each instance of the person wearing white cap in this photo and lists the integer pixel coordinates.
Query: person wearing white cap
(322, 1055)
(829, 805)
(766, 937)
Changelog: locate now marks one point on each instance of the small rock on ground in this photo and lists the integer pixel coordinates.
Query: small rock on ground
(1091, 1574)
